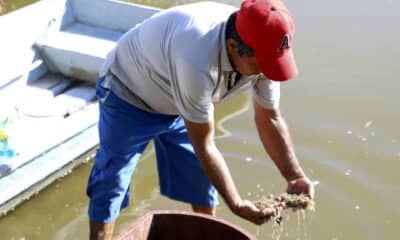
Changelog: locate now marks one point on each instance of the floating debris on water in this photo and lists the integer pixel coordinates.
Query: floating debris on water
(368, 123)
(349, 132)
(364, 139)
(373, 134)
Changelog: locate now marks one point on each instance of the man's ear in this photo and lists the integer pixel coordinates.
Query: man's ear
(230, 44)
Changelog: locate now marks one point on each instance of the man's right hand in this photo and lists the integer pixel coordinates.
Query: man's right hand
(250, 212)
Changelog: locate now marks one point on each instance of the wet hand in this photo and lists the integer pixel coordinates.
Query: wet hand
(250, 212)
(301, 185)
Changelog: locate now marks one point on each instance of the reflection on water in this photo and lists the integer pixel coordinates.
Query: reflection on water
(343, 112)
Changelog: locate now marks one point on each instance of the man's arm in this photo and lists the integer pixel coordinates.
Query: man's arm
(214, 165)
(276, 139)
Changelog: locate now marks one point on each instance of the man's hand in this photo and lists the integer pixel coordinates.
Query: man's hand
(301, 185)
(249, 211)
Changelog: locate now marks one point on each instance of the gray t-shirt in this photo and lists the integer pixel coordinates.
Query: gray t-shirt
(176, 62)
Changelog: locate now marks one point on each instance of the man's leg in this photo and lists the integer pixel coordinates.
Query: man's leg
(204, 210)
(124, 132)
(180, 173)
(101, 231)
(108, 189)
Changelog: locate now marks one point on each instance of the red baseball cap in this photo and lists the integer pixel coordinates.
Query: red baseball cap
(267, 26)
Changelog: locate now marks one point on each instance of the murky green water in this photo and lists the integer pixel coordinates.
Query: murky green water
(343, 112)
(11, 5)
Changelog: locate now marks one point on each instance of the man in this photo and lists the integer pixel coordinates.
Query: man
(161, 83)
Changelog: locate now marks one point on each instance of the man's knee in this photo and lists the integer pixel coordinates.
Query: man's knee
(204, 210)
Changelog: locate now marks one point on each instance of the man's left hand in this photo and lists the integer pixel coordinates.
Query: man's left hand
(301, 185)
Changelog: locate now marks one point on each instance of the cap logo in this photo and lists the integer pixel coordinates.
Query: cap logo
(284, 44)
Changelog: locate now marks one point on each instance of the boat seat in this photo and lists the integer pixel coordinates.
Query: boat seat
(77, 51)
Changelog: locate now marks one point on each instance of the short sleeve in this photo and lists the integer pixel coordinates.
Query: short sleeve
(267, 92)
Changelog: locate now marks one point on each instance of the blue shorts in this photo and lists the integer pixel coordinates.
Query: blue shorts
(124, 132)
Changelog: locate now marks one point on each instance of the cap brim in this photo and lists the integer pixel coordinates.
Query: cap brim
(280, 68)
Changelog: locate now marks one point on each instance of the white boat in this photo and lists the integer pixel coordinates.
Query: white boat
(51, 52)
